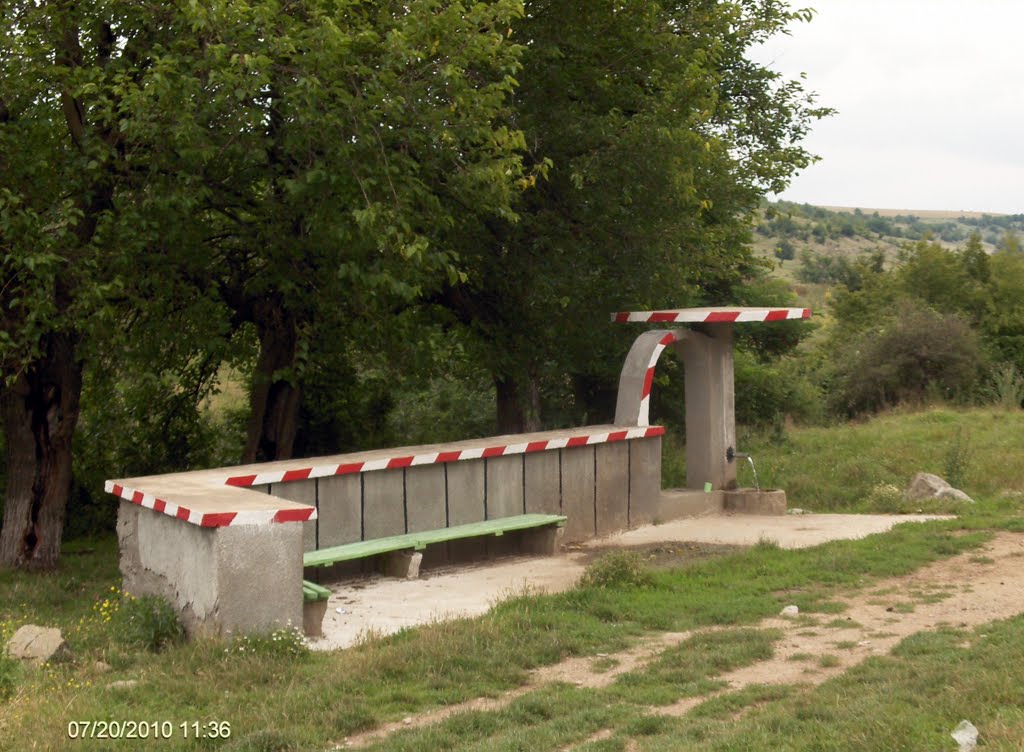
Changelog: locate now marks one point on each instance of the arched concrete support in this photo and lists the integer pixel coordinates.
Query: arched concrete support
(633, 405)
(710, 396)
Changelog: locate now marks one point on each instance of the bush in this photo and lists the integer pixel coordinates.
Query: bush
(765, 392)
(617, 569)
(149, 621)
(908, 357)
(1007, 387)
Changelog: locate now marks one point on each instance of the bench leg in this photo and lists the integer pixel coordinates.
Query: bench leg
(313, 613)
(544, 541)
(403, 564)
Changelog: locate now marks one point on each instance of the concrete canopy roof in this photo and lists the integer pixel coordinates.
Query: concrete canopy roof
(714, 315)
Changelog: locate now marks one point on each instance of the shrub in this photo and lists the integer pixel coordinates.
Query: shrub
(617, 569)
(908, 357)
(1007, 387)
(149, 621)
(766, 391)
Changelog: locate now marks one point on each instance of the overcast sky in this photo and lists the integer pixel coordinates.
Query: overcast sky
(930, 100)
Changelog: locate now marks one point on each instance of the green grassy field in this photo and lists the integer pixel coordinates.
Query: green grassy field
(276, 695)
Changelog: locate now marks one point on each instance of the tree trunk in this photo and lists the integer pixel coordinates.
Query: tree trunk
(515, 416)
(276, 393)
(40, 410)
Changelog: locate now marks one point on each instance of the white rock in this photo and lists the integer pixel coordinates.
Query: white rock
(38, 645)
(928, 486)
(124, 684)
(789, 611)
(966, 735)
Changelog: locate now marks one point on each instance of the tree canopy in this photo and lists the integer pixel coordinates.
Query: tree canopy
(321, 189)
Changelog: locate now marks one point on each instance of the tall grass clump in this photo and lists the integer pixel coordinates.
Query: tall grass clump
(616, 570)
(1007, 387)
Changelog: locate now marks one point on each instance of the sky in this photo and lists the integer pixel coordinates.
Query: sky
(930, 100)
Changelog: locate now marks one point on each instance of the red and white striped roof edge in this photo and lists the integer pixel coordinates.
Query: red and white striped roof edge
(397, 461)
(209, 519)
(435, 458)
(711, 315)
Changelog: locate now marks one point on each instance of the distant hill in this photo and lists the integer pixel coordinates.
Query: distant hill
(923, 213)
(806, 241)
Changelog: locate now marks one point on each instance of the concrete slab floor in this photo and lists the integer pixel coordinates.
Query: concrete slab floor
(377, 605)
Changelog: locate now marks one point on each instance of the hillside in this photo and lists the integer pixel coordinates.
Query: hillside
(810, 244)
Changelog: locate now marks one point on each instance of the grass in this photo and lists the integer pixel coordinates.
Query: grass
(278, 696)
(909, 700)
(854, 464)
(312, 697)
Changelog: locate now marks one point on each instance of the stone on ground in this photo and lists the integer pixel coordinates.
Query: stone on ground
(928, 486)
(38, 645)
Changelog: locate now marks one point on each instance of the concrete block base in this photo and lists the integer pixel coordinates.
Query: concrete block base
(675, 503)
(313, 613)
(402, 564)
(220, 580)
(545, 541)
(752, 501)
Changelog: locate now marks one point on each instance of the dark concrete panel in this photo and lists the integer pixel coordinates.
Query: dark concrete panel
(645, 481)
(339, 512)
(504, 486)
(465, 492)
(612, 491)
(425, 497)
(543, 491)
(383, 504)
(578, 492)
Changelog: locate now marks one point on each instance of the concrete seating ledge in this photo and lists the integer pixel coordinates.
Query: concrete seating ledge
(218, 544)
(221, 496)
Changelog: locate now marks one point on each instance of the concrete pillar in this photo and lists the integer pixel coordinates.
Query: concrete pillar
(403, 564)
(710, 406)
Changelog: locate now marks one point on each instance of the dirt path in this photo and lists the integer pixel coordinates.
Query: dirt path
(963, 591)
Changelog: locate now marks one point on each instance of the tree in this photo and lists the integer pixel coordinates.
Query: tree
(208, 173)
(1010, 243)
(62, 158)
(659, 138)
(785, 251)
(334, 146)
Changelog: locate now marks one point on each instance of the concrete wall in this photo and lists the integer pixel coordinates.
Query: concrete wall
(601, 488)
(225, 580)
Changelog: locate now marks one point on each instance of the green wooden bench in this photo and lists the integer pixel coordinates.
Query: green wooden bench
(311, 592)
(404, 561)
(325, 557)
(314, 607)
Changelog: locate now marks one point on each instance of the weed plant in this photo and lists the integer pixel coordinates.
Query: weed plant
(617, 569)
